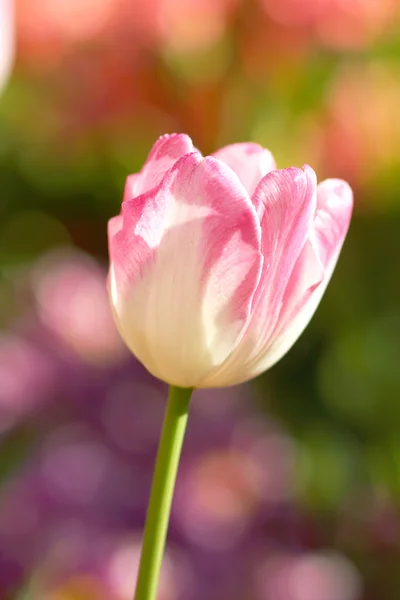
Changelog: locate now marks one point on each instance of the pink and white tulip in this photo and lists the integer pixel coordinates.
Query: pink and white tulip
(217, 264)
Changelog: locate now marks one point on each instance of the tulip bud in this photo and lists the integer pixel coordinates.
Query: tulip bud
(217, 264)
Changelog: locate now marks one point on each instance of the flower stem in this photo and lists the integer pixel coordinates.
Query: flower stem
(155, 532)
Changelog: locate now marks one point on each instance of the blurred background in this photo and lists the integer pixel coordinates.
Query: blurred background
(289, 488)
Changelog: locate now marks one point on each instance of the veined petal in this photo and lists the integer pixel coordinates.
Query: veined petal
(313, 269)
(167, 150)
(251, 162)
(184, 270)
(319, 255)
(286, 202)
(332, 219)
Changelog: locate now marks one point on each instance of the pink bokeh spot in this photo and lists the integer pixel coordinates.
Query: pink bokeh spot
(72, 302)
(322, 576)
(27, 379)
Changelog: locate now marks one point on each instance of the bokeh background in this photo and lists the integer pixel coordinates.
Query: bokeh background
(289, 488)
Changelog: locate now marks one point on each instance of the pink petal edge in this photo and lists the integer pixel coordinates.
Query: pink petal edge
(166, 151)
(250, 161)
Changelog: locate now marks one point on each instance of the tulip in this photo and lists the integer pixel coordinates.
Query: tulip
(218, 263)
(6, 40)
(216, 266)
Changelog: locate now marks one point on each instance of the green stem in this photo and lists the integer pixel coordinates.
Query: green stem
(155, 532)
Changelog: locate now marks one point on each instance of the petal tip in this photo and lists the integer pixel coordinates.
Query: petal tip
(340, 189)
(310, 173)
(170, 144)
(179, 138)
(114, 225)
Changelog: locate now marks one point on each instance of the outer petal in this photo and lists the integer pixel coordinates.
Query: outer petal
(184, 269)
(335, 205)
(6, 40)
(162, 157)
(304, 292)
(286, 200)
(251, 162)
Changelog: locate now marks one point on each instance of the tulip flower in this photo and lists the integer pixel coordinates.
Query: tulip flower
(6, 40)
(218, 263)
(216, 266)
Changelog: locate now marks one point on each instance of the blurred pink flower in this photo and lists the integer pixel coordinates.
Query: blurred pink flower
(95, 64)
(187, 25)
(72, 301)
(323, 576)
(217, 497)
(75, 587)
(121, 573)
(109, 574)
(6, 40)
(217, 264)
(295, 13)
(273, 452)
(353, 135)
(68, 19)
(75, 464)
(356, 24)
(336, 23)
(47, 29)
(26, 379)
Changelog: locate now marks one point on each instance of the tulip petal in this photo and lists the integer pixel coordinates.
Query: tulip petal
(249, 161)
(162, 157)
(185, 267)
(286, 201)
(319, 256)
(114, 226)
(332, 220)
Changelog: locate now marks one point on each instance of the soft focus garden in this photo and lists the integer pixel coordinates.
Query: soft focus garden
(289, 485)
